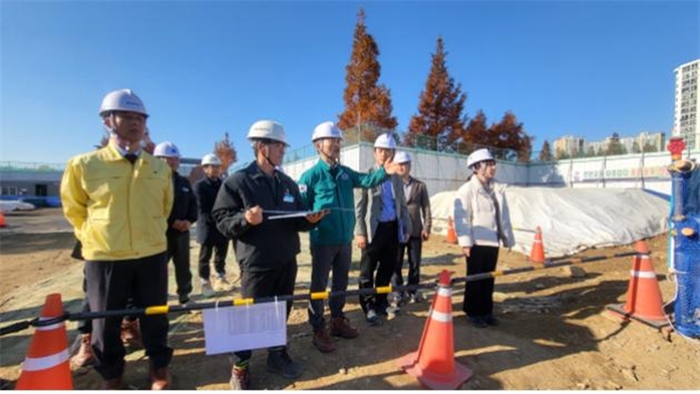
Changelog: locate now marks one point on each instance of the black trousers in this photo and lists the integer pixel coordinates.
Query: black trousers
(478, 295)
(415, 248)
(380, 256)
(219, 249)
(277, 282)
(109, 284)
(85, 326)
(179, 253)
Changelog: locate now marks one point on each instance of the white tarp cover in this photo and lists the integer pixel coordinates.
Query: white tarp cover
(9, 206)
(573, 219)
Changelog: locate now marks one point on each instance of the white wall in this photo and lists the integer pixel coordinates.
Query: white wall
(445, 171)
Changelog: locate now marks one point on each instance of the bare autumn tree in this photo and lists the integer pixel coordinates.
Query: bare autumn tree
(509, 136)
(477, 132)
(225, 151)
(366, 101)
(546, 152)
(439, 116)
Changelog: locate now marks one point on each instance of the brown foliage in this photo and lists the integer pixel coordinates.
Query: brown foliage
(366, 101)
(508, 137)
(440, 109)
(546, 152)
(509, 134)
(477, 132)
(225, 151)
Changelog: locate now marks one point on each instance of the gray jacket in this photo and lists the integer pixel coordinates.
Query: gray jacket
(418, 203)
(369, 207)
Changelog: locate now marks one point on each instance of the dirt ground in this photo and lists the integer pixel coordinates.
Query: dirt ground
(555, 331)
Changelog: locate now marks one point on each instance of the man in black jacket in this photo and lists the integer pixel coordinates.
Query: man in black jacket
(183, 214)
(209, 237)
(266, 249)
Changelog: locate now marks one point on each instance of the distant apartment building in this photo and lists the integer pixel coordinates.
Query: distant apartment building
(644, 142)
(686, 122)
(568, 146)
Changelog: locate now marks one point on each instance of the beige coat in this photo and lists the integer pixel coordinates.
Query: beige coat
(475, 216)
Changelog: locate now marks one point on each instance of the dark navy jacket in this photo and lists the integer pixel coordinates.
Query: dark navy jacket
(272, 243)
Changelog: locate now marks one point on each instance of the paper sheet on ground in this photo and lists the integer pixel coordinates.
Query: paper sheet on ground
(256, 326)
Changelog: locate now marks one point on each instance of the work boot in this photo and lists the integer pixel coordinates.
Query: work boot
(113, 384)
(207, 290)
(372, 318)
(160, 378)
(240, 377)
(84, 357)
(340, 327)
(417, 297)
(278, 361)
(323, 341)
(478, 321)
(491, 320)
(131, 334)
(222, 284)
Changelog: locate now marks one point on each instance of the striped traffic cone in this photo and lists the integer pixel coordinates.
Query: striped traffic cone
(644, 301)
(451, 233)
(46, 366)
(537, 253)
(434, 363)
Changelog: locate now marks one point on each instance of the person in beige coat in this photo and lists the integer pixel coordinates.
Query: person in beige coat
(482, 222)
(382, 222)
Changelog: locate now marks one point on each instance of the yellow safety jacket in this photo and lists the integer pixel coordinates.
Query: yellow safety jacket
(119, 210)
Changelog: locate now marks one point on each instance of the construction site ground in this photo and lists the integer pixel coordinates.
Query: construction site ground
(555, 331)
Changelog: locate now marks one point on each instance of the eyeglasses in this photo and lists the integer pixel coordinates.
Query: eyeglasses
(490, 163)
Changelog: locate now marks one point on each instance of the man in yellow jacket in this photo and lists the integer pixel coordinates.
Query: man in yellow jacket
(118, 199)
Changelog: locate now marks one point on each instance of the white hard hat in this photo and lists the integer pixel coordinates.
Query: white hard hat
(166, 149)
(478, 156)
(402, 157)
(122, 100)
(267, 129)
(326, 130)
(385, 141)
(211, 160)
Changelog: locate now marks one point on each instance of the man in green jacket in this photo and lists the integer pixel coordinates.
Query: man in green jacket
(329, 185)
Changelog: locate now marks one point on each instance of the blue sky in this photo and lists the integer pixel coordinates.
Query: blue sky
(202, 68)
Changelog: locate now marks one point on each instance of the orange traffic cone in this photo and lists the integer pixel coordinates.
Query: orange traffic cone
(46, 366)
(434, 364)
(3, 224)
(537, 253)
(641, 247)
(644, 301)
(451, 234)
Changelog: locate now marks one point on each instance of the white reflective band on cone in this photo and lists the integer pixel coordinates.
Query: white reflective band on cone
(643, 274)
(49, 328)
(444, 291)
(441, 317)
(40, 364)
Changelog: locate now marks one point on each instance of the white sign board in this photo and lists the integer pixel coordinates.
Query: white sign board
(256, 326)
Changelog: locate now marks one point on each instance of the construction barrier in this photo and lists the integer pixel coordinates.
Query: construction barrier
(46, 365)
(176, 309)
(434, 364)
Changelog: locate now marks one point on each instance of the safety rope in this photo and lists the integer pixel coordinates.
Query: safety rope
(323, 295)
